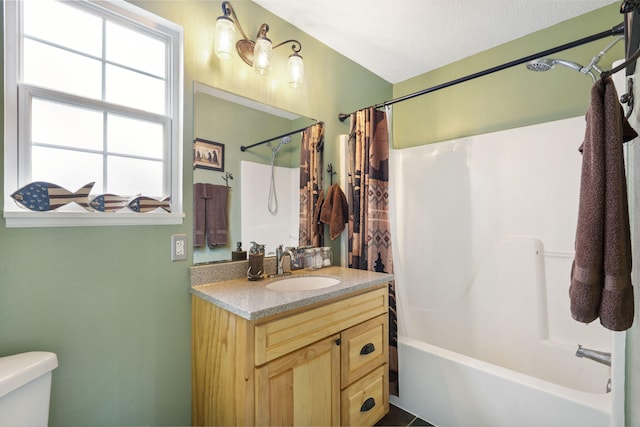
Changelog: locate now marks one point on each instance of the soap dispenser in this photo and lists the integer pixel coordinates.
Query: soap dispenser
(256, 262)
(238, 254)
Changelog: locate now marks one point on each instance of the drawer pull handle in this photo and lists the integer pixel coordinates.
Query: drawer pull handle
(368, 405)
(368, 349)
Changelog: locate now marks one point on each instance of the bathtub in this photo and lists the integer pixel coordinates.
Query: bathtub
(483, 244)
(451, 389)
(488, 360)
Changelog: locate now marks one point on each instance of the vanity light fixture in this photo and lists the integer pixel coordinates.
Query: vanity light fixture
(255, 54)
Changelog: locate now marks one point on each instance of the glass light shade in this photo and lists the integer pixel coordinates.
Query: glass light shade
(296, 70)
(262, 56)
(225, 37)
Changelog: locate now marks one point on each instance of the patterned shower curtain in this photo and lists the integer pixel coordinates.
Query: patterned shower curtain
(312, 146)
(368, 199)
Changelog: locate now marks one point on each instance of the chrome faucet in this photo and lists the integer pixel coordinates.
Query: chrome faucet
(280, 270)
(279, 253)
(597, 356)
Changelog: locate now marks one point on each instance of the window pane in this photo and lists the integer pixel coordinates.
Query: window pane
(58, 69)
(93, 97)
(132, 176)
(135, 90)
(61, 24)
(135, 50)
(51, 122)
(134, 137)
(68, 169)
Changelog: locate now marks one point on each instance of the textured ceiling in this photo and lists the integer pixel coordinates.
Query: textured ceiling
(400, 39)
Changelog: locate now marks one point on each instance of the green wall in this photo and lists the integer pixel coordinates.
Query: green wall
(107, 300)
(510, 98)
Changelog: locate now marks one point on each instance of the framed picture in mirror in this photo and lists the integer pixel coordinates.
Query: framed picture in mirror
(208, 155)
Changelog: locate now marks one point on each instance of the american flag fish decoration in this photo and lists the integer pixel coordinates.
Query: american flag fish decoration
(44, 196)
(146, 204)
(109, 202)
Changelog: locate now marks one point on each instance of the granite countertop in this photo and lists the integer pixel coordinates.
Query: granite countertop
(252, 300)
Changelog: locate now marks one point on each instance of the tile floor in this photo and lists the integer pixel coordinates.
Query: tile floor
(400, 418)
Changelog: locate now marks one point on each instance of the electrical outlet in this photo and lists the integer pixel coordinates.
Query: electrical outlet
(178, 247)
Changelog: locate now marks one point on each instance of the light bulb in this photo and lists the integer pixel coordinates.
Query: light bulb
(262, 56)
(225, 37)
(296, 70)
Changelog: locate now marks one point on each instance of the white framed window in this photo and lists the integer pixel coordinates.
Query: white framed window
(93, 94)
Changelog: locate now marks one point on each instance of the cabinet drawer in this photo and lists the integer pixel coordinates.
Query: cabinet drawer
(282, 336)
(363, 348)
(365, 402)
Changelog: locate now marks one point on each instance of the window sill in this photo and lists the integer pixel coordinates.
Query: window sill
(26, 219)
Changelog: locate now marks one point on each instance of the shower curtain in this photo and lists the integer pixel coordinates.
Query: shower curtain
(311, 149)
(368, 199)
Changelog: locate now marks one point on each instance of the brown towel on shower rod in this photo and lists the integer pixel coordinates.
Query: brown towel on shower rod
(601, 271)
(210, 214)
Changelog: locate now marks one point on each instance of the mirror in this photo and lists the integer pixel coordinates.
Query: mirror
(223, 122)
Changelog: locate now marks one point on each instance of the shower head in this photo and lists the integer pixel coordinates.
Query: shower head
(283, 141)
(540, 64)
(545, 64)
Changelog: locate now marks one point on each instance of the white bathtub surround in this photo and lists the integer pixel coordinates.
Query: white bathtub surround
(485, 228)
(257, 223)
(503, 368)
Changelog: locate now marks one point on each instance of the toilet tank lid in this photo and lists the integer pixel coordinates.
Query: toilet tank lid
(18, 369)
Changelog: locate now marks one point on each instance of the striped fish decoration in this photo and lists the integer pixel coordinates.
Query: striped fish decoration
(108, 202)
(43, 196)
(146, 204)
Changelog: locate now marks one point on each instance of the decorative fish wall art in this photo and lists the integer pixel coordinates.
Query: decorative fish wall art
(44, 196)
(146, 204)
(108, 202)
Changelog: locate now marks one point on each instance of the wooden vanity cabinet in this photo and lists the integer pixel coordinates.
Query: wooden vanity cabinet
(326, 364)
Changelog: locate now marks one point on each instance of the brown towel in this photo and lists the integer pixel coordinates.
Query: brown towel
(600, 275)
(318, 207)
(210, 214)
(334, 211)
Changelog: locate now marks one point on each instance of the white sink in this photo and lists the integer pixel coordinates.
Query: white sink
(303, 283)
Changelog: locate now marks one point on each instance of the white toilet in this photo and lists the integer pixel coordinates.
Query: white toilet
(25, 387)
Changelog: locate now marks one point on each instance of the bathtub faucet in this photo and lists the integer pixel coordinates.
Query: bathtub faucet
(597, 356)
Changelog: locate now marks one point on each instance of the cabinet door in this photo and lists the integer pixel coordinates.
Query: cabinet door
(301, 388)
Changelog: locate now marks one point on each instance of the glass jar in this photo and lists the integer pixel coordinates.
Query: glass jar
(327, 256)
(310, 258)
(318, 258)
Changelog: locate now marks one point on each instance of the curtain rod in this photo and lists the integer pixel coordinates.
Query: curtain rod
(245, 148)
(617, 30)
